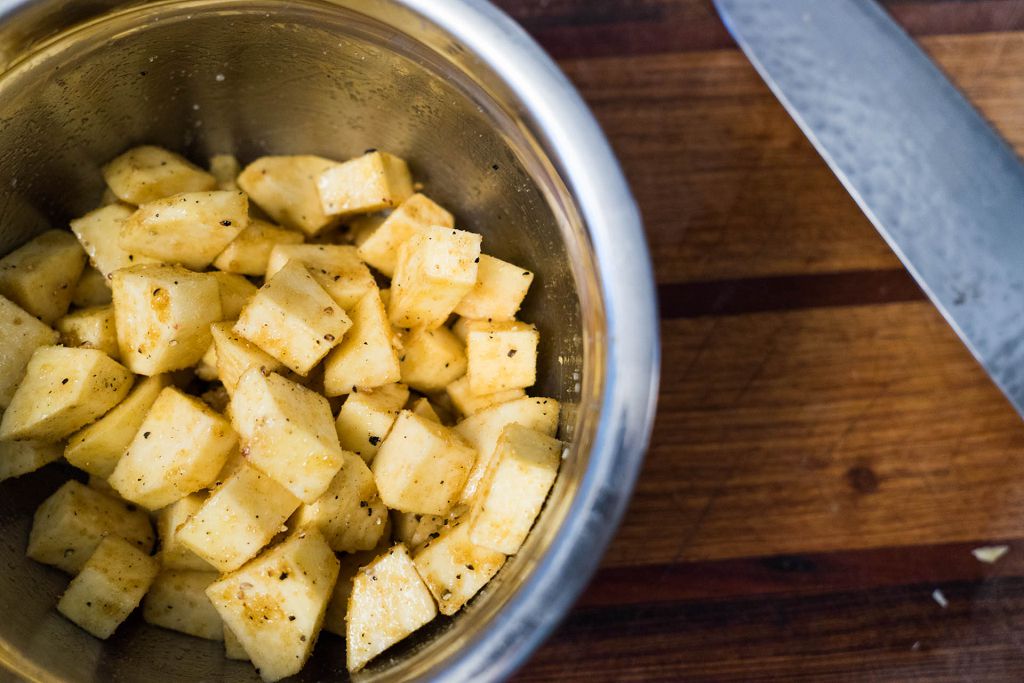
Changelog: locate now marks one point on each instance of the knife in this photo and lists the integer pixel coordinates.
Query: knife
(938, 182)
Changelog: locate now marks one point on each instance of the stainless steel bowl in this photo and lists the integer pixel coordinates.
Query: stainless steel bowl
(492, 128)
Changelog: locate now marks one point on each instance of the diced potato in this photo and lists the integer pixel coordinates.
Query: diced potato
(163, 316)
(350, 513)
(288, 432)
(366, 418)
(335, 266)
(249, 253)
(147, 173)
(225, 168)
(361, 227)
(235, 354)
(365, 358)
(468, 403)
(189, 228)
(23, 334)
(389, 601)
(69, 525)
(514, 488)
(462, 326)
(424, 409)
(235, 293)
(173, 553)
(233, 646)
(421, 466)
(502, 356)
(293, 319)
(285, 187)
(177, 601)
(276, 603)
(414, 529)
(179, 449)
(41, 276)
(499, 291)
(21, 457)
(97, 448)
(63, 390)
(337, 606)
(108, 197)
(369, 183)
(454, 568)
(482, 430)
(99, 232)
(239, 518)
(380, 248)
(436, 268)
(90, 328)
(432, 359)
(92, 289)
(109, 587)
(206, 368)
(101, 485)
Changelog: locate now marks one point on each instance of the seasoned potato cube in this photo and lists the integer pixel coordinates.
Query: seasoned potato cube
(365, 358)
(366, 418)
(249, 253)
(432, 359)
(190, 228)
(293, 319)
(482, 430)
(436, 268)
(276, 603)
(163, 316)
(23, 334)
(109, 587)
(424, 409)
(173, 553)
(147, 173)
(499, 290)
(389, 601)
(454, 568)
(468, 403)
(40, 276)
(97, 448)
(206, 368)
(99, 232)
(233, 646)
(380, 248)
(421, 466)
(337, 606)
(414, 529)
(350, 513)
(288, 432)
(90, 328)
(177, 601)
(235, 293)
(361, 227)
(502, 356)
(92, 289)
(514, 488)
(21, 457)
(235, 354)
(335, 266)
(369, 183)
(239, 518)
(63, 390)
(225, 168)
(69, 525)
(285, 187)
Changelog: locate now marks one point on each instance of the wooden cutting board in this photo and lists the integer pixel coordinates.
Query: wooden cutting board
(826, 454)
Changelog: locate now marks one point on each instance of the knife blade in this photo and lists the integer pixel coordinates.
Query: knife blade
(937, 181)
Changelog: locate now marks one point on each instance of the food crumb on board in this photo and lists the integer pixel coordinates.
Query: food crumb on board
(939, 597)
(990, 554)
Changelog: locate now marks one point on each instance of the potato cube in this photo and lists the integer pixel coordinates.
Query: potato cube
(335, 266)
(101, 485)
(63, 390)
(69, 525)
(40, 276)
(235, 354)
(147, 173)
(389, 601)
(206, 368)
(285, 187)
(288, 432)
(365, 358)
(108, 197)
(424, 409)
(366, 418)
(97, 448)
(90, 328)
(502, 356)
(468, 403)
(414, 529)
(99, 232)
(293, 319)
(360, 228)
(235, 293)
(482, 430)
(23, 334)
(239, 518)
(233, 648)
(225, 168)
(92, 289)
(173, 553)
(276, 603)
(163, 316)
(249, 253)
(109, 587)
(369, 183)
(432, 359)
(350, 513)
(179, 448)
(499, 290)
(436, 268)
(454, 568)
(21, 457)
(514, 488)
(177, 601)
(337, 606)
(421, 466)
(380, 248)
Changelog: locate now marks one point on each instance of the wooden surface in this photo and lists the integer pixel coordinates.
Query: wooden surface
(826, 454)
